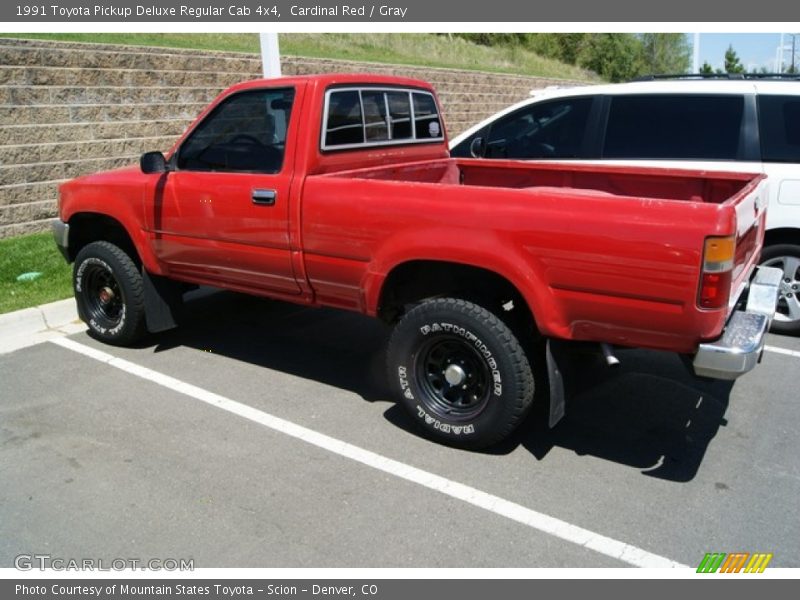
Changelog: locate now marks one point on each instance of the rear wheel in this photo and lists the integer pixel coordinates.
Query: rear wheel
(110, 293)
(786, 257)
(460, 372)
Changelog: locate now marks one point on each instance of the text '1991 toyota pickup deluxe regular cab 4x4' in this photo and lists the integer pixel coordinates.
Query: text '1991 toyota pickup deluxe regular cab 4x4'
(338, 190)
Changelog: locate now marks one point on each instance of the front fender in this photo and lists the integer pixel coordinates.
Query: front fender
(122, 204)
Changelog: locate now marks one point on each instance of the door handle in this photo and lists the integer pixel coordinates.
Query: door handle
(264, 197)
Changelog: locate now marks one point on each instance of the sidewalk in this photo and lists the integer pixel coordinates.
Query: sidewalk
(31, 326)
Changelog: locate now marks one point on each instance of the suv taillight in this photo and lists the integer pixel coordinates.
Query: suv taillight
(715, 282)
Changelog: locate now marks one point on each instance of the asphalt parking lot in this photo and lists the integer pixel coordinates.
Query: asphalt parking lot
(172, 456)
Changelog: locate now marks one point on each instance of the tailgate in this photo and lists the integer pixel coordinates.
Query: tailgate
(751, 210)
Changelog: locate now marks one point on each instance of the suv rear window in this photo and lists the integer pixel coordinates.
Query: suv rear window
(678, 127)
(779, 117)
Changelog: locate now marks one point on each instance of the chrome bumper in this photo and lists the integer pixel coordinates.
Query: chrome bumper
(61, 237)
(739, 349)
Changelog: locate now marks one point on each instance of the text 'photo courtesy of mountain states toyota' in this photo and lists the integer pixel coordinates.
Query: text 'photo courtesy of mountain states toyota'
(339, 191)
(746, 123)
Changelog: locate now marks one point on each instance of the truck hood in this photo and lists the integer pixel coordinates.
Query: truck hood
(122, 176)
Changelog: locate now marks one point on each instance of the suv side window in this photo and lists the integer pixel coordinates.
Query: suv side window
(678, 127)
(245, 133)
(554, 129)
(779, 124)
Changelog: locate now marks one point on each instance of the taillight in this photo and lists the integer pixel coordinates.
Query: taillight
(715, 283)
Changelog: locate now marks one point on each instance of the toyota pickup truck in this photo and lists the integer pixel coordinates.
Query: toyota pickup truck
(338, 190)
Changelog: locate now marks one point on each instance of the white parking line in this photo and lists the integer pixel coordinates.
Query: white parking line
(784, 351)
(494, 504)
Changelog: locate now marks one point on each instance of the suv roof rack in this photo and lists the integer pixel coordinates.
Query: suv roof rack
(729, 76)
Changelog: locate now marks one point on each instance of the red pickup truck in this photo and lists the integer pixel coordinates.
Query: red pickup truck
(338, 190)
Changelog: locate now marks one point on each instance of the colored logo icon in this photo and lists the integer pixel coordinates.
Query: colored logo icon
(737, 562)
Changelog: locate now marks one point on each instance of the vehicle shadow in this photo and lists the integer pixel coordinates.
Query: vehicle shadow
(335, 347)
(647, 413)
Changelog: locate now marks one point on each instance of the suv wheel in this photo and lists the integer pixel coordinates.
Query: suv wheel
(787, 258)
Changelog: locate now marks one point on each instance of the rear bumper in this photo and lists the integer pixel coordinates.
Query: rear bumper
(739, 348)
(61, 237)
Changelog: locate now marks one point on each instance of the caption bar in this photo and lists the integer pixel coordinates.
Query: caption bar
(221, 11)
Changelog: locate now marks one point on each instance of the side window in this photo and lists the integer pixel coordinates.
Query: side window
(554, 129)
(245, 133)
(363, 117)
(679, 127)
(779, 119)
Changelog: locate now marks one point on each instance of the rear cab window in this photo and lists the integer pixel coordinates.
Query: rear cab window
(359, 117)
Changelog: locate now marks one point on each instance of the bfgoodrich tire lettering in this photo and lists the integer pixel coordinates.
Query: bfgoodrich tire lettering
(110, 293)
(460, 372)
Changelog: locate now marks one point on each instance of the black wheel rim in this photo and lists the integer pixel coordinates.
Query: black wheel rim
(104, 301)
(454, 378)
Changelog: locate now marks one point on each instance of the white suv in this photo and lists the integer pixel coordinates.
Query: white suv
(749, 125)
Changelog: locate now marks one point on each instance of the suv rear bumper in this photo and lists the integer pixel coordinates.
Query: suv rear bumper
(739, 348)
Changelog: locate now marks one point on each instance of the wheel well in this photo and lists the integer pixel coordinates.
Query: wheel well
(411, 282)
(782, 236)
(85, 228)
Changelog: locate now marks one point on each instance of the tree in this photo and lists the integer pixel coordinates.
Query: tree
(706, 69)
(559, 46)
(614, 56)
(732, 62)
(665, 53)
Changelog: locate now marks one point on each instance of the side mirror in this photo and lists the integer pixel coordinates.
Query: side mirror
(477, 147)
(153, 162)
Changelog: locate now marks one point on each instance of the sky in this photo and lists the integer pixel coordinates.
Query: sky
(754, 49)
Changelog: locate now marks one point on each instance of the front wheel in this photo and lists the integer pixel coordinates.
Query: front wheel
(110, 293)
(786, 257)
(460, 372)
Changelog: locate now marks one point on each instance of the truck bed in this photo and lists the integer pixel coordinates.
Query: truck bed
(568, 179)
(609, 253)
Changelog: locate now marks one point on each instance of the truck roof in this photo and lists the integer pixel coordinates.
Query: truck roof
(329, 79)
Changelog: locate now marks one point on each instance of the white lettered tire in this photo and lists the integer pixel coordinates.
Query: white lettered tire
(110, 293)
(460, 372)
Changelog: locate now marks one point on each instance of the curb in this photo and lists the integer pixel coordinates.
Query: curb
(31, 326)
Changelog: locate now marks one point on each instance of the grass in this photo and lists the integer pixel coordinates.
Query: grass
(23, 254)
(416, 49)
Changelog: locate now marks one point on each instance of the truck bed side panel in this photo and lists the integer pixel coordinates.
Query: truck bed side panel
(592, 266)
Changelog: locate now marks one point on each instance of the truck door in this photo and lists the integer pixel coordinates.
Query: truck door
(222, 214)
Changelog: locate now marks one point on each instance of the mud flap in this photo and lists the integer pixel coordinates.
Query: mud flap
(555, 360)
(162, 299)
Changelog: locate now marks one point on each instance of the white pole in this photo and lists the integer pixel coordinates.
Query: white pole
(780, 56)
(270, 55)
(696, 53)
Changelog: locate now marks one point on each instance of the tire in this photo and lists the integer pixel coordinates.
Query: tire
(460, 373)
(109, 293)
(787, 258)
